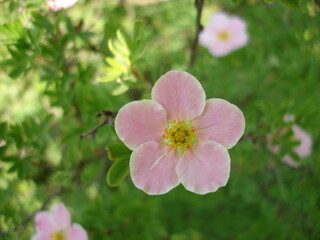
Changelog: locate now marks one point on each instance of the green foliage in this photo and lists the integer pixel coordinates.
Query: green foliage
(118, 172)
(58, 69)
(120, 154)
(126, 53)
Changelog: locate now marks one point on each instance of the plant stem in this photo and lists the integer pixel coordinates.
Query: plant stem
(108, 120)
(199, 6)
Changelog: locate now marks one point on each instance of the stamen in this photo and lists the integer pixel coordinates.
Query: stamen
(179, 135)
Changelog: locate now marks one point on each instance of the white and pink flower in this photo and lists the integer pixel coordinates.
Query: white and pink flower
(56, 5)
(179, 137)
(56, 225)
(224, 34)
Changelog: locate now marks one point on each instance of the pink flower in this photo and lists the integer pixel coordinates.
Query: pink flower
(223, 34)
(60, 4)
(56, 225)
(303, 149)
(178, 137)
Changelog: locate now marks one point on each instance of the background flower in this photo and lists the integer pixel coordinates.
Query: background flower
(56, 225)
(303, 149)
(60, 4)
(223, 34)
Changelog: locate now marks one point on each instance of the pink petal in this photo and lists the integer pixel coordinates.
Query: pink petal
(152, 168)
(218, 21)
(220, 121)
(60, 216)
(41, 236)
(204, 168)
(305, 147)
(140, 121)
(44, 222)
(76, 232)
(237, 24)
(290, 162)
(181, 95)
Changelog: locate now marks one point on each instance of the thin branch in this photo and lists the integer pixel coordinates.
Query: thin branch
(199, 6)
(108, 120)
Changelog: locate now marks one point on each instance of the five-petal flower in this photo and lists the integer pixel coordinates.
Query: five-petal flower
(223, 34)
(178, 137)
(56, 225)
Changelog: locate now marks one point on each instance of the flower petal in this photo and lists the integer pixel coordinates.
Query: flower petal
(290, 162)
(204, 167)
(305, 147)
(218, 21)
(152, 168)
(238, 32)
(77, 232)
(220, 121)
(44, 222)
(41, 236)
(181, 95)
(139, 122)
(60, 216)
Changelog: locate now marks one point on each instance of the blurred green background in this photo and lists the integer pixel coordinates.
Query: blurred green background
(58, 69)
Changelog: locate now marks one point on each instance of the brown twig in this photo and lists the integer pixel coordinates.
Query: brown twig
(199, 6)
(108, 120)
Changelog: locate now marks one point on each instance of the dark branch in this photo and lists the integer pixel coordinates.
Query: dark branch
(199, 6)
(108, 120)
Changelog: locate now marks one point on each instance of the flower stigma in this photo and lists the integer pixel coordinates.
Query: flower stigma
(58, 236)
(179, 135)
(223, 36)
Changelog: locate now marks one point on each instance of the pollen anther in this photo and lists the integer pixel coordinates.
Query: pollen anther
(179, 135)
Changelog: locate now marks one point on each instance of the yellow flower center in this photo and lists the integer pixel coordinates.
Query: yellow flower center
(179, 135)
(58, 236)
(223, 36)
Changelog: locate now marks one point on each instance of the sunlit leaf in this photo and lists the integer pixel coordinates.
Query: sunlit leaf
(120, 89)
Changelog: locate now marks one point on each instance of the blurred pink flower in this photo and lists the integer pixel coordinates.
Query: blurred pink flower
(223, 34)
(56, 225)
(178, 137)
(60, 4)
(303, 149)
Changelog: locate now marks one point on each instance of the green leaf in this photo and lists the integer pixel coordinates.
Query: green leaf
(269, 1)
(18, 70)
(41, 21)
(117, 65)
(3, 129)
(292, 4)
(12, 31)
(118, 151)
(122, 88)
(118, 172)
